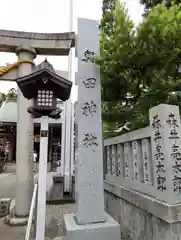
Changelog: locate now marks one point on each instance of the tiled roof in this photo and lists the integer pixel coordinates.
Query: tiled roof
(44, 65)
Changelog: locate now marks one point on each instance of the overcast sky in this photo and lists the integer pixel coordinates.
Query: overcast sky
(50, 16)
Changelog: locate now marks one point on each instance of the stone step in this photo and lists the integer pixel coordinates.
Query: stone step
(57, 195)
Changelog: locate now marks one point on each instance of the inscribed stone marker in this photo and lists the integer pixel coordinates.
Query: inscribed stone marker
(114, 164)
(137, 161)
(147, 161)
(120, 159)
(108, 159)
(166, 151)
(128, 160)
(90, 197)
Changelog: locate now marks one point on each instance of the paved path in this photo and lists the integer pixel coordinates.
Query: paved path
(7, 185)
(54, 214)
(8, 182)
(54, 223)
(11, 233)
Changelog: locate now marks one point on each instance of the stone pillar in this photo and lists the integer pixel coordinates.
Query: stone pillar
(63, 136)
(137, 161)
(67, 163)
(147, 161)
(128, 159)
(166, 151)
(90, 221)
(120, 157)
(113, 157)
(72, 137)
(41, 199)
(24, 147)
(109, 162)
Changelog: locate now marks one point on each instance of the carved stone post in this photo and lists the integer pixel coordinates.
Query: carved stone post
(166, 151)
(90, 221)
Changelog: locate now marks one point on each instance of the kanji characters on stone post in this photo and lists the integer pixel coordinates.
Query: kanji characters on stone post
(166, 151)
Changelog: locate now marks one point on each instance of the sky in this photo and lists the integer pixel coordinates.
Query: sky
(50, 16)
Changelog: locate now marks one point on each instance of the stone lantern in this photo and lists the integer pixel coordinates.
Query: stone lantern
(44, 86)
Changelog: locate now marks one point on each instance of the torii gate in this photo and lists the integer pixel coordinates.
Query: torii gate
(27, 45)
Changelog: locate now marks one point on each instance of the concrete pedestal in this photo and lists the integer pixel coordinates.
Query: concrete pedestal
(107, 230)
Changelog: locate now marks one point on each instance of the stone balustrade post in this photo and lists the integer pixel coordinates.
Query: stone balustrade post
(166, 151)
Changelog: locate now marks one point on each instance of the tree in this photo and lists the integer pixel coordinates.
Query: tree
(12, 94)
(2, 98)
(152, 3)
(159, 43)
(116, 48)
(140, 68)
(108, 18)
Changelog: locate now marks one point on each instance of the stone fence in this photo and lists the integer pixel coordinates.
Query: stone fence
(143, 178)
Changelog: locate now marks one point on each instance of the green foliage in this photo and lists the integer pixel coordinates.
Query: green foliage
(140, 67)
(12, 94)
(152, 3)
(115, 48)
(2, 98)
(159, 42)
(108, 19)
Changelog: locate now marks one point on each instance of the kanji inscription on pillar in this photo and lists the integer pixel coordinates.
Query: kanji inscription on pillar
(159, 156)
(147, 161)
(136, 148)
(90, 200)
(166, 151)
(89, 108)
(120, 160)
(114, 164)
(90, 141)
(90, 83)
(108, 159)
(87, 56)
(128, 161)
(174, 139)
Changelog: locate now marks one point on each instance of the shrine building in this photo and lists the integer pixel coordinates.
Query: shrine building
(8, 121)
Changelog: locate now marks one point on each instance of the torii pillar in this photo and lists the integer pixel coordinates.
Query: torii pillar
(21, 43)
(24, 143)
(24, 140)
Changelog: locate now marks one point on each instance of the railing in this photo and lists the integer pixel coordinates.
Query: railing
(129, 156)
(129, 160)
(148, 160)
(32, 208)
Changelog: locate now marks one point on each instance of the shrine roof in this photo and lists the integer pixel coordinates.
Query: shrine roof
(44, 65)
(58, 84)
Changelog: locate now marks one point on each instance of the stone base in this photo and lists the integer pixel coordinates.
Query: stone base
(4, 206)
(109, 230)
(16, 221)
(57, 195)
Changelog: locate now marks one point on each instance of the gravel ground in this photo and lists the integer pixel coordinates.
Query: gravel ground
(54, 223)
(54, 219)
